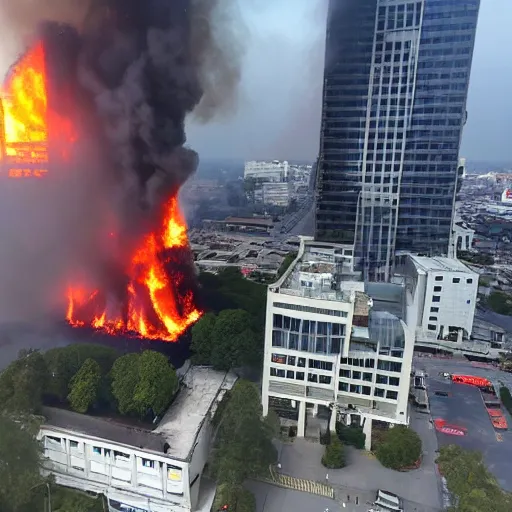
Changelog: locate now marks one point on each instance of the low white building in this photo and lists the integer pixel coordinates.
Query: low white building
(330, 353)
(441, 297)
(274, 170)
(137, 469)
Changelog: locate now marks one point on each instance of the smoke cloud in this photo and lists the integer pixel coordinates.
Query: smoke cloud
(127, 72)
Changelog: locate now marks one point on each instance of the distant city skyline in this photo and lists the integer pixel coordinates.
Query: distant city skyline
(278, 115)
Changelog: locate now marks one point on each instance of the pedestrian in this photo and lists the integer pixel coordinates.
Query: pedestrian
(278, 465)
(327, 477)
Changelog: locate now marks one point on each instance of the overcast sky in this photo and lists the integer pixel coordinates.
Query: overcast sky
(278, 113)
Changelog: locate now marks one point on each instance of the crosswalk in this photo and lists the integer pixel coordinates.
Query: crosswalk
(302, 484)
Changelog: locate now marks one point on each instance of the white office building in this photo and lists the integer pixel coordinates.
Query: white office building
(335, 348)
(138, 469)
(441, 297)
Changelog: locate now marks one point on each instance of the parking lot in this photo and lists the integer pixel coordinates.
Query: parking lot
(463, 408)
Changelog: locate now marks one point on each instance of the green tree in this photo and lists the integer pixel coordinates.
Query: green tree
(400, 448)
(202, 339)
(84, 386)
(334, 455)
(234, 342)
(351, 435)
(471, 484)
(157, 383)
(243, 445)
(20, 461)
(500, 302)
(23, 382)
(125, 377)
(236, 498)
(64, 362)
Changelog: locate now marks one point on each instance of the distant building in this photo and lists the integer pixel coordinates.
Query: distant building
(138, 469)
(274, 170)
(332, 352)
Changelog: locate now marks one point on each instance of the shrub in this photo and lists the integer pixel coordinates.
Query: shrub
(235, 497)
(334, 455)
(506, 398)
(351, 435)
(400, 448)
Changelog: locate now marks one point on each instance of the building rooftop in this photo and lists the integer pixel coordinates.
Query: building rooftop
(321, 271)
(202, 388)
(439, 264)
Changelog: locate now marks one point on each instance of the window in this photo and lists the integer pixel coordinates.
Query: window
(392, 395)
(379, 392)
(343, 386)
(73, 444)
(468, 301)
(54, 439)
(148, 463)
(356, 375)
(433, 318)
(434, 310)
(394, 381)
(382, 379)
(456, 280)
(367, 377)
(469, 281)
(290, 374)
(439, 278)
(431, 327)
(312, 377)
(299, 376)
(279, 358)
(345, 373)
(96, 450)
(291, 360)
(324, 379)
(121, 455)
(302, 362)
(437, 288)
(436, 298)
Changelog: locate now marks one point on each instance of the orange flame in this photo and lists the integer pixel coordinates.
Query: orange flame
(26, 117)
(157, 307)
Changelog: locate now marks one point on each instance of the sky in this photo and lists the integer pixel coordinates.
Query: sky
(277, 114)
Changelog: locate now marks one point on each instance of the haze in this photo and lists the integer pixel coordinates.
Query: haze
(278, 114)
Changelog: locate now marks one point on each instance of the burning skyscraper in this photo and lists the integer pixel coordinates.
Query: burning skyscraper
(106, 100)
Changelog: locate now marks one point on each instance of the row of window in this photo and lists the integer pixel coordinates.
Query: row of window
(390, 366)
(455, 280)
(309, 309)
(301, 362)
(368, 377)
(290, 374)
(367, 390)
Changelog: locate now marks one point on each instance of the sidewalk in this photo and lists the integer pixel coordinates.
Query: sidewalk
(362, 476)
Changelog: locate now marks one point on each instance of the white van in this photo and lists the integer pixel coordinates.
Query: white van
(389, 501)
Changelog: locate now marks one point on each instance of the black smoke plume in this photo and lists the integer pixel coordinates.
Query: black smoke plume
(127, 72)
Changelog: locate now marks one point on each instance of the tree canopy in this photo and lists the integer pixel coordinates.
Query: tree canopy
(400, 448)
(84, 386)
(64, 362)
(143, 383)
(243, 444)
(228, 340)
(20, 457)
(334, 455)
(472, 486)
(23, 382)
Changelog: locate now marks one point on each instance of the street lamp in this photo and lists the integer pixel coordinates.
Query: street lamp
(49, 494)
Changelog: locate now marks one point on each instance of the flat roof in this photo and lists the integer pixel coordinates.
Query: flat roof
(183, 420)
(201, 389)
(440, 264)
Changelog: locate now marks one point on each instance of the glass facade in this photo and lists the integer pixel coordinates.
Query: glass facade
(396, 80)
(307, 335)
